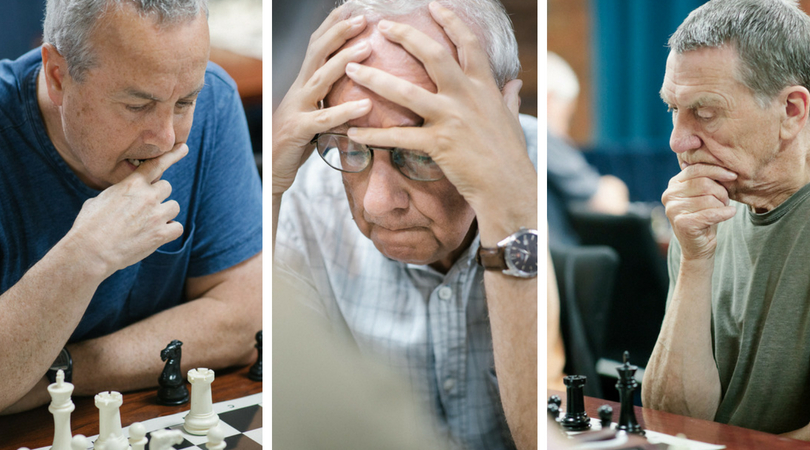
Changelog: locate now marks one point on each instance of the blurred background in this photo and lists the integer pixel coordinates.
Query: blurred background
(609, 162)
(236, 45)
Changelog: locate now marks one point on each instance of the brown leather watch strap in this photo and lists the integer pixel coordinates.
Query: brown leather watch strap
(492, 258)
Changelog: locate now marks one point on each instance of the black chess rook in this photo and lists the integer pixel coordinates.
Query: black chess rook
(575, 419)
(626, 385)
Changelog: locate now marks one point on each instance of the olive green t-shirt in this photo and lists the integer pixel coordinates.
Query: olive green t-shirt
(761, 315)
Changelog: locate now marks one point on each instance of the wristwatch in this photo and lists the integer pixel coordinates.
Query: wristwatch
(64, 362)
(515, 256)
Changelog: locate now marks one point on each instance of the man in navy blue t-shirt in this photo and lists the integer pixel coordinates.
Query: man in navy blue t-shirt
(130, 205)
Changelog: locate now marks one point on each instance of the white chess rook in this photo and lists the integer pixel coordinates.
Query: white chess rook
(109, 419)
(61, 406)
(201, 417)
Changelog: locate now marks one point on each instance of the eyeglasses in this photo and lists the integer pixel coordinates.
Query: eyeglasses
(345, 155)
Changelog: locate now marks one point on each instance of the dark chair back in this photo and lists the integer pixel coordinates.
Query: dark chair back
(585, 278)
(640, 291)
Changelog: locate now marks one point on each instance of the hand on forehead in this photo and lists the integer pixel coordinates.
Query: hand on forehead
(395, 60)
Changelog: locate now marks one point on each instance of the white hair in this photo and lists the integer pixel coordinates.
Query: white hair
(561, 81)
(487, 18)
(68, 24)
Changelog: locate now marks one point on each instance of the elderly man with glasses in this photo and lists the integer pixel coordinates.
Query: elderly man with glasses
(432, 262)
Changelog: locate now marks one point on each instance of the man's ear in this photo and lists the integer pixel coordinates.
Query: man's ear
(796, 106)
(54, 67)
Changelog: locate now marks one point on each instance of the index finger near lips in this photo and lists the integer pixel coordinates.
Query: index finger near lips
(716, 173)
(152, 169)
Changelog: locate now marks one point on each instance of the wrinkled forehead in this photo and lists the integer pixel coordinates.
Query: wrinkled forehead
(395, 60)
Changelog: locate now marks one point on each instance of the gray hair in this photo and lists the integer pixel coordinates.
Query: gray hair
(772, 39)
(487, 18)
(69, 24)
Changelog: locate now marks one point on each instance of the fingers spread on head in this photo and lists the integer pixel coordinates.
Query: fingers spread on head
(402, 92)
(412, 138)
(326, 119)
(472, 57)
(437, 60)
(326, 76)
(327, 43)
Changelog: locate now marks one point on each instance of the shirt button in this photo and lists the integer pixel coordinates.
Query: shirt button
(449, 384)
(445, 292)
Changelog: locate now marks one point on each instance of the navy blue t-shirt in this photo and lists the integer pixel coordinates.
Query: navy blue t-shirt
(217, 186)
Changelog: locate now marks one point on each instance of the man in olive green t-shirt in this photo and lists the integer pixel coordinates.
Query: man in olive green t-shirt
(734, 341)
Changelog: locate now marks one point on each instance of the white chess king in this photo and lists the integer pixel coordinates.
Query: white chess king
(61, 406)
(202, 416)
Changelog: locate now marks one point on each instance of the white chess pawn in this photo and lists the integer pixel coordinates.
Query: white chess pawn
(79, 442)
(216, 438)
(201, 417)
(164, 439)
(137, 436)
(61, 406)
(109, 419)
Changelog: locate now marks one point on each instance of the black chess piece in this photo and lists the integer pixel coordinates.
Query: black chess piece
(555, 399)
(605, 416)
(575, 419)
(255, 372)
(553, 411)
(626, 385)
(173, 390)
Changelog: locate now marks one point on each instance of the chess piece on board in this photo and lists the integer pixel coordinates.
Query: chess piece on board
(216, 438)
(79, 442)
(605, 416)
(255, 372)
(201, 417)
(61, 406)
(109, 419)
(575, 419)
(173, 390)
(626, 385)
(165, 439)
(137, 436)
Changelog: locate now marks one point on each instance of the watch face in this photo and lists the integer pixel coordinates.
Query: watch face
(521, 253)
(62, 361)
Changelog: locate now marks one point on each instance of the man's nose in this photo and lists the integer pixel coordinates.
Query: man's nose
(161, 130)
(683, 138)
(385, 190)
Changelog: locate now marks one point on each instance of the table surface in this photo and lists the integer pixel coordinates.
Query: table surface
(34, 429)
(695, 429)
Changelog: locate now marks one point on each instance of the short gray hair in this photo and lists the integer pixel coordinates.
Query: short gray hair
(772, 39)
(487, 18)
(69, 24)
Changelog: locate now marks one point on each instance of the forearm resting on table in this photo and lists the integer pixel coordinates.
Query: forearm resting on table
(39, 313)
(217, 330)
(802, 434)
(681, 376)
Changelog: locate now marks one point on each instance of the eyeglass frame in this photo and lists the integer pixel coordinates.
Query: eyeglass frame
(391, 151)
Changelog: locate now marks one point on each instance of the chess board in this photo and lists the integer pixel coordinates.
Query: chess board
(240, 419)
(653, 437)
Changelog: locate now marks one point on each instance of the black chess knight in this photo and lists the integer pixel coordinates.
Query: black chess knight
(173, 390)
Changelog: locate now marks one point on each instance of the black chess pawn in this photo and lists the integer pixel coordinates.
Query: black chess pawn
(553, 411)
(605, 416)
(173, 390)
(555, 399)
(575, 419)
(255, 372)
(626, 385)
